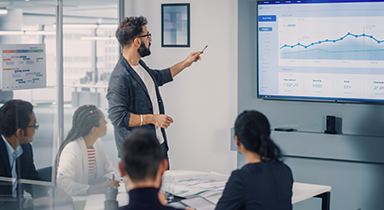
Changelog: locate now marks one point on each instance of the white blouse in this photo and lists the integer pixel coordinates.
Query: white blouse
(73, 169)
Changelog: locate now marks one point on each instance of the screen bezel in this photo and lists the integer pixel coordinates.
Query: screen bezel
(302, 98)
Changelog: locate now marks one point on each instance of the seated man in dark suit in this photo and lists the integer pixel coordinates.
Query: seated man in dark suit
(17, 128)
(143, 164)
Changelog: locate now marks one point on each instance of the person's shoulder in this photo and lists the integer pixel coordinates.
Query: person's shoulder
(280, 168)
(285, 165)
(27, 150)
(278, 163)
(237, 174)
(251, 167)
(121, 62)
(75, 142)
(26, 146)
(237, 171)
(121, 68)
(286, 168)
(73, 146)
(257, 168)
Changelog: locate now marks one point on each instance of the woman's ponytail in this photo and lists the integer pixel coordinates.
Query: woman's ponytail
(253, 131)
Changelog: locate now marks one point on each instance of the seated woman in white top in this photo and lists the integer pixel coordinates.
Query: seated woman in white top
(83, 167)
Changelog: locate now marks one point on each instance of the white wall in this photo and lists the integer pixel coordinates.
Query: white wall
(202, 100)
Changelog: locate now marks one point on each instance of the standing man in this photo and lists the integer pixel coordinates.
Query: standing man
(133, 92)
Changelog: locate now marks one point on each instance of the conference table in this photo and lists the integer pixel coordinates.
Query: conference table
(301, 192)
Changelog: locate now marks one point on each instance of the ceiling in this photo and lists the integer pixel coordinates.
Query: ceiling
(80, 8)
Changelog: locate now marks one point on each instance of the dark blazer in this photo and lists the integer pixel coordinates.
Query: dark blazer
(145, 199)
(25, 169)
(259, 186)
(128, 94)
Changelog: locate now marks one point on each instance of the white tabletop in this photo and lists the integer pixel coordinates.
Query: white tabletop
(96, 201)
(301, 191)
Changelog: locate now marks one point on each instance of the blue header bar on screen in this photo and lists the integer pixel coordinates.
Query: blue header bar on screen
(317, 1)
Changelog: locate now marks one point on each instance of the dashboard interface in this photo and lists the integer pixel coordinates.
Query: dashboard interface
(321, 50)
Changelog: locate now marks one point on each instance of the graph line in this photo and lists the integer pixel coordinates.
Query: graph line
(335, 40)
(328, 51)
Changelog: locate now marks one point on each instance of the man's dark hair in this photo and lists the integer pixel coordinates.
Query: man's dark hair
(129, 29)
(141, 155)
(14, 114)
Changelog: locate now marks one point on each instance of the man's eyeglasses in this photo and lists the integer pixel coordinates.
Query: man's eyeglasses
(36, 126)
(148, 35)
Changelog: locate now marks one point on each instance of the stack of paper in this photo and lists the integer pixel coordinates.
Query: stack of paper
(207, 185)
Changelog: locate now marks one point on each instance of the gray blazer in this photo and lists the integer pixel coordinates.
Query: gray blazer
(128, 94)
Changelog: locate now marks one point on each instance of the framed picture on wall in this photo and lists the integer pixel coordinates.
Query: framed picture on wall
(175, 25)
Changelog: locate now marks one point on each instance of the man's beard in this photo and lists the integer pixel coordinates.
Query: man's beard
(143, 51)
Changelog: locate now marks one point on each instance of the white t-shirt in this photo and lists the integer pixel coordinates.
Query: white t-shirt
(147, 79)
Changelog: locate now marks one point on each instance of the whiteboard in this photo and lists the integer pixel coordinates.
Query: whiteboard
(23, 66)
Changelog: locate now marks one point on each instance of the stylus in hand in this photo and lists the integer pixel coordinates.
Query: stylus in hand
(204, 48)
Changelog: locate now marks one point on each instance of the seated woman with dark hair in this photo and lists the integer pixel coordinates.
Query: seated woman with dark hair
(83, 166)
(265, 182)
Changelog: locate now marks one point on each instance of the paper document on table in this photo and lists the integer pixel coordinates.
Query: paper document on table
(212, 196)
(198, 203)
(187, 186)
(185, 192)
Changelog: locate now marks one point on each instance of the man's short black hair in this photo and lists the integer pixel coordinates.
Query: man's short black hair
(129, 29)
(14, 114)
(141, 155)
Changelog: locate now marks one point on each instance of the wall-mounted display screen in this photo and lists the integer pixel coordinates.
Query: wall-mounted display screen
(321, 50)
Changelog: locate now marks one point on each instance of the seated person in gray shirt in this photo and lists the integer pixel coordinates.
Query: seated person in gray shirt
(265, 182)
